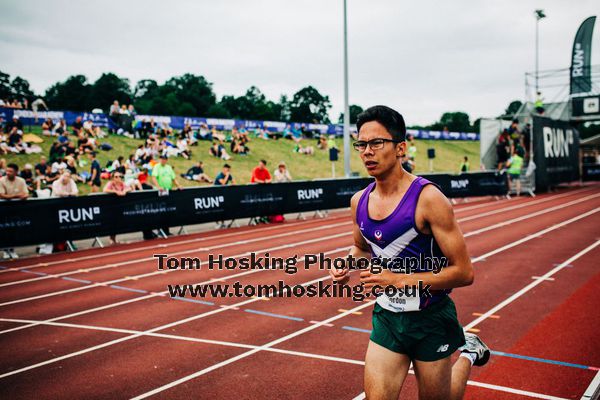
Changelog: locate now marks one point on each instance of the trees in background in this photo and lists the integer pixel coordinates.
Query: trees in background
(354, 111)
(17, 88)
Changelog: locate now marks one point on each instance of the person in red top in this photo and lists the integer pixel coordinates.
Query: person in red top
(261, 174)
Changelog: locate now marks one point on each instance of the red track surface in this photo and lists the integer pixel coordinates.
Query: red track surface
(64, 338)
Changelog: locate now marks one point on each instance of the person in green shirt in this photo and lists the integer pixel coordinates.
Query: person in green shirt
(163, 175)
(515, 164)
(464, 165)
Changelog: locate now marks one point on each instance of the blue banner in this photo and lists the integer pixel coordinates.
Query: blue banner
(29, 117)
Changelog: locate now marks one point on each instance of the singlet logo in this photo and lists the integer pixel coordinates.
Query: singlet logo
(361, 226)
(378, 234)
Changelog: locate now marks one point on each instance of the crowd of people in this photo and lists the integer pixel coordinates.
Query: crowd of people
(512, 152)
(73, 156)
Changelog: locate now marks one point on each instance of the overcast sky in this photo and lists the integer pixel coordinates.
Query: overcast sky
(422, 58)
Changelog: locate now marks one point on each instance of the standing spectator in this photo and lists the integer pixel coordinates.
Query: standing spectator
(503, 149)
(163, 175)
(64, 186)
(95, 171)
(539, 103)
(412, 147)
(224, 177)
(282, 174)
(261, 174)
(515, 164)
(13, 186)
(114, 114)
(464, 165)
(116, 186)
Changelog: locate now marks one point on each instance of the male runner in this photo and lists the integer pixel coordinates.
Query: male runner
(402, 215)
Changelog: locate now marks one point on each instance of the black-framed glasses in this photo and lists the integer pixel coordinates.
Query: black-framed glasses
(374, 144)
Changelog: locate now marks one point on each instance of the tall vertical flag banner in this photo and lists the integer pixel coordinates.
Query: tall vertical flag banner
(581, 80)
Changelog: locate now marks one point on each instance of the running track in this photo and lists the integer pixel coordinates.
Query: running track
(98, 323)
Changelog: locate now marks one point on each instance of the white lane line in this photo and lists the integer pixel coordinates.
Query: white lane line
(152, 295)
(593, 391)
(527, 288)
(494, 387)
(186, 339)
(135, 277)
(146, 259)
(156, 329)
(201, 249)
(532, 215)
(105, 283)
(268, 349)
(250, 352)
(163, 245)
(521, 205)
(513, 244)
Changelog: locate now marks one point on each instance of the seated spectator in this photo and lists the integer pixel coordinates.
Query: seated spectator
(215, 134)
(59, 166)
(217, 150)
(47, 127)
(183, 149)
(13, 187)
(224, 177)
(282, 174)
(131, 181)
(238, 145)
(196, 173)
(117, 165)
(2, 166)
(503, 149)
(143, 179)
(27, 174)
(15, 123)
(15, 141)
(73, 169)
(308, 150)
(77, 126)
(64, 186)
(130, 163)
(261, 174)
(59, 128)
(88, 127)
(40, 168)
(204, 133)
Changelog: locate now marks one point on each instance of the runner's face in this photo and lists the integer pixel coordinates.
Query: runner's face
(379, 161)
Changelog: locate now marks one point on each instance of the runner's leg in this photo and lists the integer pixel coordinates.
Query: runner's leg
(385, 371)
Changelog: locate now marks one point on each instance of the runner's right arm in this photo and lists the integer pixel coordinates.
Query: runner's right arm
(359, 249)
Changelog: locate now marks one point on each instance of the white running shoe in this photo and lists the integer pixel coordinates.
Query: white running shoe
(475, 345)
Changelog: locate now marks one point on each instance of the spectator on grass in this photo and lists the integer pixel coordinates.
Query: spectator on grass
(308, 150)
(196, 173)
(47, 127)
(27, 174)
(14, 123)
(131, 181)
(2, 167)
(143, 179)
(40, 168)
(224, 177)
(12, 186)
(95, 171)
(282, 174)
(64, 186)
(59, 128)
(77, 126)
(59, 165)
(261, 174)
(217, 150)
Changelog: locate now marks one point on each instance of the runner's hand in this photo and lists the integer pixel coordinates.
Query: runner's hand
(340, 275)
